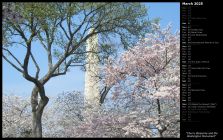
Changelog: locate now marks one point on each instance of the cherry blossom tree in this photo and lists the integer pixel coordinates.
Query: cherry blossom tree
(72, 120)
(16, 117)
(150, 70)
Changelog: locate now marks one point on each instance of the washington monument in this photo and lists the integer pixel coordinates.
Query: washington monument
(91, 92)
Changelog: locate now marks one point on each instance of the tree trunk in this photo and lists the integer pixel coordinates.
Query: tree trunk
(104, 93)
(159, 114)
(37, 110)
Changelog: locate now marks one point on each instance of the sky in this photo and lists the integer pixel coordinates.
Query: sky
(14, 83)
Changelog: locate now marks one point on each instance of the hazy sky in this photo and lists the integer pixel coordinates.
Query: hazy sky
(13, 82)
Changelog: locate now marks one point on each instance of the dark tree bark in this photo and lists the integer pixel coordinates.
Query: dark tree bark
(37, 110)
(104, 93)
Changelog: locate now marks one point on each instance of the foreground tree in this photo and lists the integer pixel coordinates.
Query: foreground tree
(61, 30)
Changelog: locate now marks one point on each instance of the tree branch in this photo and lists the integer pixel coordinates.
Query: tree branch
(13, 56)
(151, 66)
(65, 70)
(41, 41)
(65, 32)
(37, 66)
(104, 93)
(13, 65)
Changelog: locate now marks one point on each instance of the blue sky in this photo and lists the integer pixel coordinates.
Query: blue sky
(13, 82)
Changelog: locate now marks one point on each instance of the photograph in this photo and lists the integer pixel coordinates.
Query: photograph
(107, 70)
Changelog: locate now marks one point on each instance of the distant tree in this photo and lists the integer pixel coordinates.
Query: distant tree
(61, 29)
(16, 117)
(71, 119)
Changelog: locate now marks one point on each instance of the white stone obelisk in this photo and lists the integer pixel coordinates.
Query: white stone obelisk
(92, 94)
